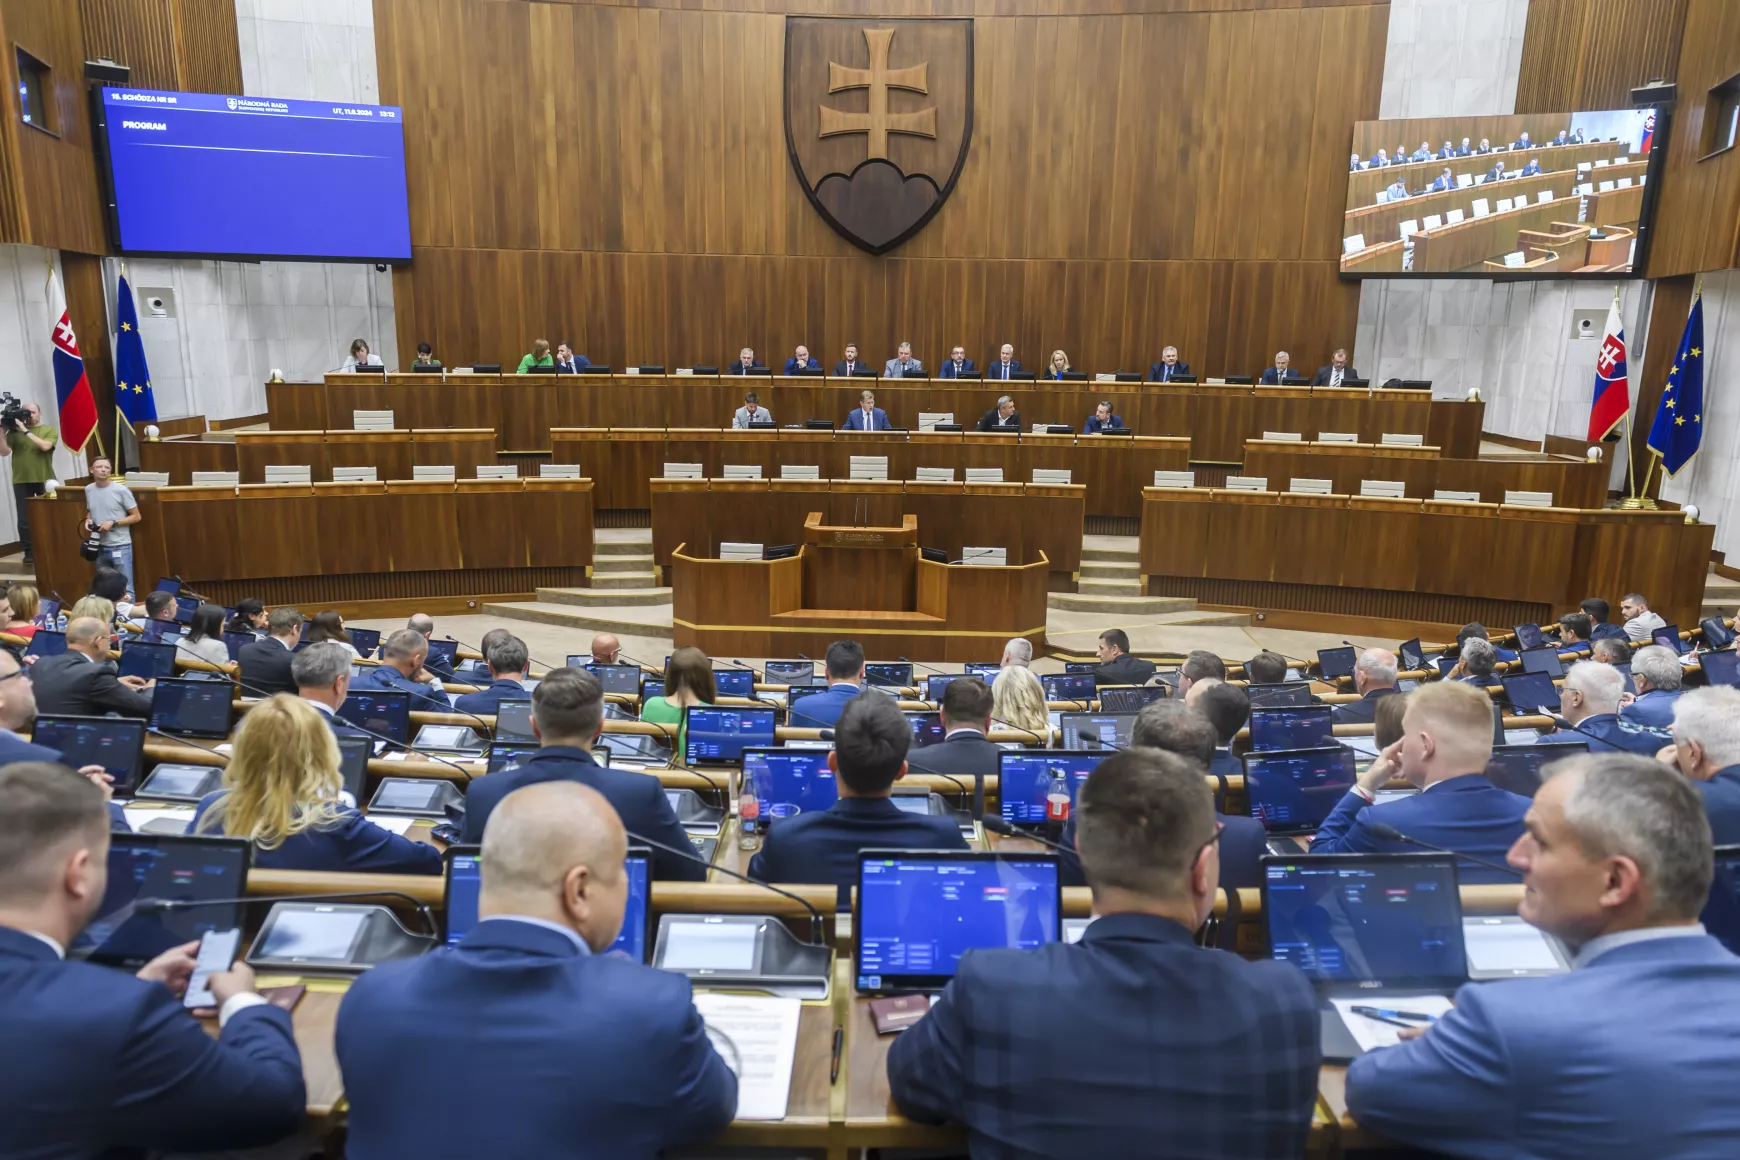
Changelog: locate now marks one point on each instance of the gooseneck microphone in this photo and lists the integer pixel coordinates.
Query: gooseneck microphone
(816, 925)
(1384, 832)
(998, 826)
(348, 724)
(164, 905)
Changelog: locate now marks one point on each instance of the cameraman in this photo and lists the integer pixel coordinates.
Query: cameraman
(34, 441)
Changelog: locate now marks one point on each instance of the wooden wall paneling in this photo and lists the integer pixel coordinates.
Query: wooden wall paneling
(1175, 532)
(432, 510)
(1638, 551)
(1532, 554)
(177, 45)
(491, 531)
(362, 511)
(558, 522)
(1311, 538)
(150, 555)
(1243, 526)
(1383, 545)
(257, 450)
(201, 545)
(182, 457)
(1463, 538)
(1697, 212)
(636, 455)
(54, 179)
(275, 524)
(296, 406)
(463, 450)
(527, 412)
(1590, 54)
(388, 452)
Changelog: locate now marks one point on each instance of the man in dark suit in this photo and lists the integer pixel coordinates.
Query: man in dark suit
(1199, 664)
(844, 666)
(867, 416)
(1522, 142)
(1336, 372)
(508, 665)
(1035, 1051)
(1281, 372)
(1168, 368)
(569, 1051)
(1706, 736)
(82, 682)
(1228, 708)
(965, 753)
(1598, 610)
(1117, 666)
(322, 675)
(1656, 674)
(745, 364)
(1575, 634)
(958, 366)
(17, 711)
(800, 361)
(1103, 419)
(1446, 744)
(1187, 731)
(1474, 664)
(265, 664)
(1589, 701)
(401, 669)
(1496, 173)
(851, 364)
(871, 740)
(567, 717)
(1443, 183)
(1532, 168)
(1629, 1053)
(1005, 367)
(569, 363)
(1002, 417)
(1446, 151)
(98, 1062)
(1374, 676)
(1464, 150)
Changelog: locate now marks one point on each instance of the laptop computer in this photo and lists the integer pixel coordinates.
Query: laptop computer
(788, 782)
(927, 728)
(144, 659)
(505, 757)
(794, 696)
(1528, 636)
(1542, 660)
(236, 641)
(1668, 636)
(1411, 656)
(1531, 693)
(1279, 694)
(1292, 727)
(1024, 778)
(917, 912)
(1382, 931)
(179, 867)
(1336, 663)
(464, 882)
(1096, 730)
(1068, 687)
(1720, 668)
(936, 683)
(1129, 698)
(889, 673)
(364, 640)
(383, 711)
(789, 672)
(734, 682)
(441, 656)
(1517, 768)
(48, 642)
(623, 679)
(718, 736)
(1721, 915)
(1291, 791)
(513, 722)
(190, 708)
(115, 743)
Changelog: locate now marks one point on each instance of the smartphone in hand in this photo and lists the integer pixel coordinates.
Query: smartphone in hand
(217, 951)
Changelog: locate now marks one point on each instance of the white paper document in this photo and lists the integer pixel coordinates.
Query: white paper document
(137, 816)
(396, 825)
(1372, 1034)
(757, 1038)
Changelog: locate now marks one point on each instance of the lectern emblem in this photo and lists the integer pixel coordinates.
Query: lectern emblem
(878, 117)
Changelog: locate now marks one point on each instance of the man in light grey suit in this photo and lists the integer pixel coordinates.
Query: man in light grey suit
(903, 365)
(1634, 1051)
(751, 412)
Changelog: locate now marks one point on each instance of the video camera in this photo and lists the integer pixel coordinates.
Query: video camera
(13, 416)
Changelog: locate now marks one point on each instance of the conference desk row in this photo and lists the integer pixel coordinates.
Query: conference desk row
(524, 409)
(391, 453)
(1364, 185)
(1023, 518)
(1573, 483)
(1469, 244)
(339, 545)
(1407, 559)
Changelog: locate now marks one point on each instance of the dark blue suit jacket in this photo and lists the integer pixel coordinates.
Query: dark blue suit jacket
(963, 754)
(822, 710)
(638, 798)
(736, 368)
(997, 370)
(1440, 184)
(824, 847)
(792, 367)
(487, 700)
(567, 1053)
(424, 699)
(1132, 1042)
(1362, 711)
(1550, 1066)
(98, 1063)
(1608, 733)
(1722, 805)
(1093, 426)
(1157, 371)
(878, 420)
(1606, 631)
(1270, 377)
(1654, 708)
(580, 363)
(354, 843)
(947, 370)
(1243, 842)
(1467, 814)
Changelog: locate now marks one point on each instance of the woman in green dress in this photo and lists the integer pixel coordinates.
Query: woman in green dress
(688, 681)
(538, 359)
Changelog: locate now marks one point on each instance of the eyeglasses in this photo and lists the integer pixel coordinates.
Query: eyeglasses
(1219, 827)
(18, 672)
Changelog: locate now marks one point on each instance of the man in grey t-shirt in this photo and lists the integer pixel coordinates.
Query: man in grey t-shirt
(112, 509)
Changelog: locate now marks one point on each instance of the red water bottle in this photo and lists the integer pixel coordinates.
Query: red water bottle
(1056, 805)
(748, 819)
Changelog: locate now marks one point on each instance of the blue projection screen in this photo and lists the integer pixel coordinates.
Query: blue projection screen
(193, 174)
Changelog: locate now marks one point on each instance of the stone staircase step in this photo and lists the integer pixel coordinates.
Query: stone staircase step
(1130, 587)
(605, 597)
(623, 563)
(1119, 554)
(623, 547)
(656, 622)
(1121, 603)
(623, 579)
(1111, 570)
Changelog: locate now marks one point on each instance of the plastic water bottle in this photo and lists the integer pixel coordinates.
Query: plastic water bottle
(1056, 805)
(748, 817)
(60, 621)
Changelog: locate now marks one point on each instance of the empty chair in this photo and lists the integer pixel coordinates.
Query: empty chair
(1051, 475)
(498, 471)
(984, 475)
(216, 478)
(558, 471)
(869, 467)
(799, 471)
(371, 420)
(683, 471)
(354, 475)
(289, 473)
(743, 471)
(1390, 440)
(932, 474)
(1382, 488)
(1247, 483)
(430, 473)
(1305, 485)
(1175, 479)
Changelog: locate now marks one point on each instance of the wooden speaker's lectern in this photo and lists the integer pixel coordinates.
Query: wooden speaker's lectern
(868, 569)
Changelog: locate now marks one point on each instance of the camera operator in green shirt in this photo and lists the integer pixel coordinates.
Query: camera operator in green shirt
(30, 442)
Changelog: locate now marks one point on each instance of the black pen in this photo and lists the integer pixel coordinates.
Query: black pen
(834, 1065)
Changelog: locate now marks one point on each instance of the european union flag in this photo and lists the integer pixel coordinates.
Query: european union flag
(1679, 418)
(133, 395)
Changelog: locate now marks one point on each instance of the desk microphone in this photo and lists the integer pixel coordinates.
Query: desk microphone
(1384, 832)
(643, 665)
(468, 775)
(997, 825)
(816, 925)
(165, 905)
(752, 698)
(927, 668)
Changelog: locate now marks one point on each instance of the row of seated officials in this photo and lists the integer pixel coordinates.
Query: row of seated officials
(1383, 159)
(1631, 1053)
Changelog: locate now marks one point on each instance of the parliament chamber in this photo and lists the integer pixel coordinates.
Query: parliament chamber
(895, 582)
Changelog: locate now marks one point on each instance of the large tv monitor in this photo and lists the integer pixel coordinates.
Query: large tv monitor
(209, 176)
(1533, 195)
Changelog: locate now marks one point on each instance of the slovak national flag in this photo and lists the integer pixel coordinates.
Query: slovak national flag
(1612, 387)
(72, 388)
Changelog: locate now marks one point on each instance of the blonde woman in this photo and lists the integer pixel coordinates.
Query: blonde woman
(18, 613)
(1018, 702)
(95, 607)
(1059, 364)
(281, 792)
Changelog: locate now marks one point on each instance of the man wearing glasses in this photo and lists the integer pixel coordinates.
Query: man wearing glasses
(1034, 1050)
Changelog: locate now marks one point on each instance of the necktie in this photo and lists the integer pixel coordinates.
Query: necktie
(1335, 377)
(1166, 375)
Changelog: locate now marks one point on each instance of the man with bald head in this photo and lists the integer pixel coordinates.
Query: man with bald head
(606, 649)
(82, 681)
(1374, 676)
(569, 1051)
(1445, 746)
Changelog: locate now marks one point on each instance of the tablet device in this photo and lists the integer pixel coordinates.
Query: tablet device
(1336, 663)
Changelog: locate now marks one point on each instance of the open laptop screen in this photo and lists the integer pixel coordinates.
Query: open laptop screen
(192, 708)
(1279, 694)
(1391, 919)
(1292, 727)
(787, 782)
(888, 673)
(1024, 776)
(384, 711)
(162, 866)
(115, 743)
(1292, 791)
(1531, 693)
(1517, 768)
(919, 912)
(617, 678)
(719, 736)
(1720, 667)
(1096, 730)
(1068, 686)
(465, 882)
(734, 682)
(1721, 915)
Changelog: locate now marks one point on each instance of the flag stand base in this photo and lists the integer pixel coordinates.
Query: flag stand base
(1638, 503)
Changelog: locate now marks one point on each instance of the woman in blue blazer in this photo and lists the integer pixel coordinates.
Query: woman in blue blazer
(281, 791)
(1059, 364)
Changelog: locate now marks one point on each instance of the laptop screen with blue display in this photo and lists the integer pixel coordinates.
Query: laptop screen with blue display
(719, 736)
(192, 708)
(617, 678)
(1517, 768)
(383, 711)
(1293, 791)
(1531, 693)
(143, 659)
(202, 868)
(1394, 919)
(1068, 686)
(918, 913)
(1293, 727)
(1720, 667)
(465, 882)
(115, 743)
(734, 682)
(788, 782)
(934, 685)
(889, 673)
(1024, 776)
(1096, 730)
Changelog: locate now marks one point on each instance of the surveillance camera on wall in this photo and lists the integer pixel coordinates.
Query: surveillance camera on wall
(157, 307)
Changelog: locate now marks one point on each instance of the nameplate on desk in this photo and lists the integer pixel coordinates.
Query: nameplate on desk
(860, 538)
